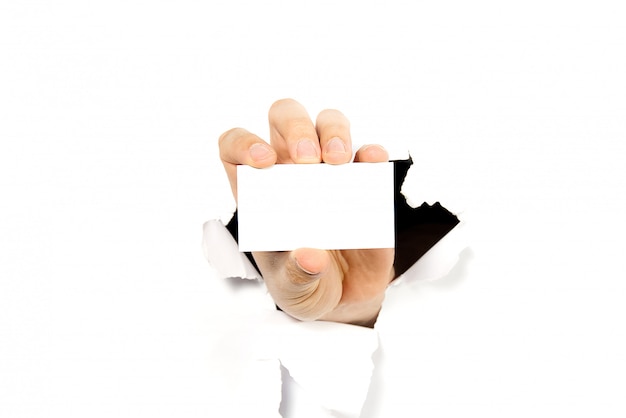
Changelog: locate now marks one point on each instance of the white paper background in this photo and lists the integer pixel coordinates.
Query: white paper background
(108, 163)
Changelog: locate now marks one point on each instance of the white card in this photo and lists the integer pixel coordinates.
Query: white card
(289, 206)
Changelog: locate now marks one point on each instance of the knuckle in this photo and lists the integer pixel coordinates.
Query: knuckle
(299, 128)
(332, 118)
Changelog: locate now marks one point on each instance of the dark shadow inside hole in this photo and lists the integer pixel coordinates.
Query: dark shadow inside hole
(417, 229)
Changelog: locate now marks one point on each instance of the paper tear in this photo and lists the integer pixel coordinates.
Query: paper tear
(329, 360)
(439, 260)
(261, 389)
(424, 184)
(222, 252)
(296, 402)
(330, 365)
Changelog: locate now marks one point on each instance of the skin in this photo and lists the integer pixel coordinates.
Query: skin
(312, 284)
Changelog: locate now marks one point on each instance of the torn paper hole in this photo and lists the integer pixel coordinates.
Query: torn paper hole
(323, 358)
(222, 252)
(332, 362)
(439, 260)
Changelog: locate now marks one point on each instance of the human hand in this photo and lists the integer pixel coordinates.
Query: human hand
(313, 284)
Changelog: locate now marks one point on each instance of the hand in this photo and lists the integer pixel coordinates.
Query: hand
(312, 284)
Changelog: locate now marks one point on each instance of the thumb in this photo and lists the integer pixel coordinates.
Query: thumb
(306, 265)
(313, 288)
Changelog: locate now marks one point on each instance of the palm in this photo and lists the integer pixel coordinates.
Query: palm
(367, 273)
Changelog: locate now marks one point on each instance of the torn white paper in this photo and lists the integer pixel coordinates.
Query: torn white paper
(289, 206)
(220, 249)
(259, 390)
(330, 361)
(439, 259)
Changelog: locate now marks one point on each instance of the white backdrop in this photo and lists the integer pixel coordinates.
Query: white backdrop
(109, 115)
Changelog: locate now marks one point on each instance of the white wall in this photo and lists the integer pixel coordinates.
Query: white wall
(109, 115)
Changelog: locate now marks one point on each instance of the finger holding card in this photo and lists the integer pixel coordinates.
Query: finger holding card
(333, 130)
(240, 147)
(321, 234)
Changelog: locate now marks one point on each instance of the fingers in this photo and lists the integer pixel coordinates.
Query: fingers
(372, 153)
(238, 146)
(333, 130)
(292, 133)
(296, 140)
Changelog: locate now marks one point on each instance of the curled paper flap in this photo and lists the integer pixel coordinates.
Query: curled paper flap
(222, 252)
(331, 362)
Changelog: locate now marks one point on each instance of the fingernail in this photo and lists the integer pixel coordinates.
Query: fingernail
(306, 150)
(336, 145)
(260, 152)
(380, 147)
(305, 270)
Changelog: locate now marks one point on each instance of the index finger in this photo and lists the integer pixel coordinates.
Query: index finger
(237, 147)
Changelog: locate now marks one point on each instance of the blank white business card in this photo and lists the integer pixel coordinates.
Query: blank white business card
(332, 207)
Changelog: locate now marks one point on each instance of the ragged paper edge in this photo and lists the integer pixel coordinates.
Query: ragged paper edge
(340, 353)
(259, 391)
(281, 338)
(440, 259)
(284, 340)
(222, 252)
(330, 361)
